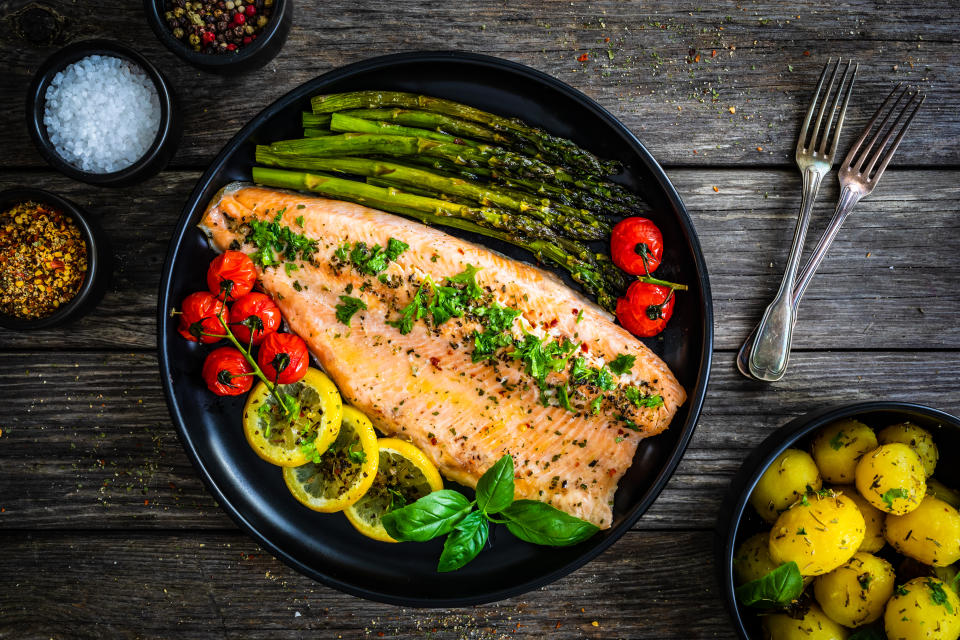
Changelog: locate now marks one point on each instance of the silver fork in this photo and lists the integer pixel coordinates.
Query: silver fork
(815, 154)
(859, 174)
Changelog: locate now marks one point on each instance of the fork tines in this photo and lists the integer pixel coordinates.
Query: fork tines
(865, 163)
(807, 143)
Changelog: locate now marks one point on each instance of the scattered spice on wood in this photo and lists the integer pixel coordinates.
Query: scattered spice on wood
(43, 260)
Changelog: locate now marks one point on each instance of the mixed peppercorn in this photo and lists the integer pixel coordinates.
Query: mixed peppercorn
(217, 26)
(43, 260)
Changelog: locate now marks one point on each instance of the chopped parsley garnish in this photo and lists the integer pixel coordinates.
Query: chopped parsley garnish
(540, 358)
(356, 457)
(892, 494)
(801, 531)
(446, 302)
(414, 310)
(939, 596)
(370, 261)
(579, 317)
(580, 372)
(634, 396)
(290, 267)
(309, 449)
(468, 277)
(299, 219)
(347, 307)
(276, 242)
(622, 364)
(901, 590)
(604, 379)
(563, 397)
(595, 405)
(865, 579)
(836, 442)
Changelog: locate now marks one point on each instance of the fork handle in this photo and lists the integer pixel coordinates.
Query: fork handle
(849, 198)
(771, 347)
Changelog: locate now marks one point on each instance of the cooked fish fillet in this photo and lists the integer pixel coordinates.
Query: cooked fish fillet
(424, 386)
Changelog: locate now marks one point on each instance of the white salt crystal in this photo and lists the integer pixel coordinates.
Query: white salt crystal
(102, 113)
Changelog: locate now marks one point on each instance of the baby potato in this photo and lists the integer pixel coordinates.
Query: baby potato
(820, 532)
(815, 625)
(923, 608)
(929, 534)
(839, 446)
(856, 592)
(788, 477)
(873, 539)
(891, 478)
(752, 559)
(917, 439)
(937, 489)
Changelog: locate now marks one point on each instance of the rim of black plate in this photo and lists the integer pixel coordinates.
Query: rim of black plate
(696, 397)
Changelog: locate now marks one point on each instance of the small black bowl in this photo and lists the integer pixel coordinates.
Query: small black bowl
(248, 58)
(156, 156)
(98, 260)
(738, 521)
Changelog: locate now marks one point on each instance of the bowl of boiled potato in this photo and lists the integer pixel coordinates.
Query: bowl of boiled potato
(844, 525)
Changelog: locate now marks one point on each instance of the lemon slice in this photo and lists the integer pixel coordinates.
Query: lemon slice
(404, 475)
(342, 474)
(279, 441)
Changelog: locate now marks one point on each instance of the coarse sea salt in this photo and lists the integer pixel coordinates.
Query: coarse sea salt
(102, 113)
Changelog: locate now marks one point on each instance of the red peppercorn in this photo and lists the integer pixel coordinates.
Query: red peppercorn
(239, 18)
(231, 47)
(207, 37)
(250, 10)
(247, 40)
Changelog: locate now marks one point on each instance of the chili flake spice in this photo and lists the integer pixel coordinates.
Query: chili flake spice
(43, 260)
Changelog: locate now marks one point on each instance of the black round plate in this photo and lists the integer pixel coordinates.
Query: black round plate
(326, 547)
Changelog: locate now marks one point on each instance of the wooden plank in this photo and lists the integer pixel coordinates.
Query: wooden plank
(216, 585)
(671, 74)
(894, 258)
(87, 442)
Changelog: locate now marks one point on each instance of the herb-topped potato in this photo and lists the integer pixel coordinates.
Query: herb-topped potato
(814, 625)
(837, 448)
(856, 592)
(873, 518)
(788, 477)
(923, 608)
(752, 560)
(937, 489)
(929, 534)
(891, 478)
(917, 439)
(819, 532)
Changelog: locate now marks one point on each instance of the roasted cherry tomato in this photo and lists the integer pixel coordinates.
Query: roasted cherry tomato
(636, 246)
(283, 358)
(254, 311)
(231, 275)
(227, 372)
(646, 309)
(199, 315)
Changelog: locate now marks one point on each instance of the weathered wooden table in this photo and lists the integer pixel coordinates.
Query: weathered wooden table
(105, 527)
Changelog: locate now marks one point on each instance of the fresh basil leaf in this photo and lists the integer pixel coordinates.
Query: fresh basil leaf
(431, 516)
(464, 542)
(539, 523)
(775, 590)
(495, 487)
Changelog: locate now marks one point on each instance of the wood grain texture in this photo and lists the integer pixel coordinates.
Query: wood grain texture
(87, 442)
(107, 529)
(670, 71)
(887, 282)
(136, 585)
